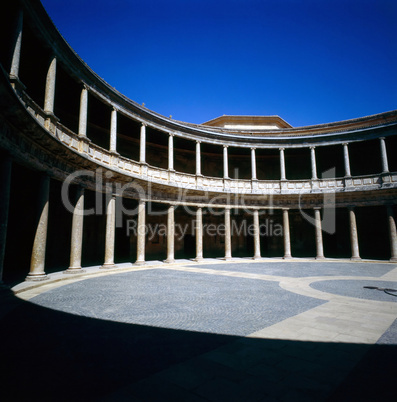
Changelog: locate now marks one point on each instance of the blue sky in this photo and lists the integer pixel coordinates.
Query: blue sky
(308, 61)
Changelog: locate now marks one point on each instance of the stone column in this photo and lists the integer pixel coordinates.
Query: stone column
(228, 235)
(385, 163)
(354, 235)
(141, 233)
(142, 148)
(37, 261)
(5, 184)
(282, 165)
(199, 235)
(313, 162)
(319, 234)
(113, 131)
(77, 233)
(346, 159)
(257, 239)
(83, 112)
(16, 53)
(170, 234)
(253, 164)
(50, 87)
(110, 231)
(287, 241)
(225, 163)
(198, 159)
(392, 233)
(171, 151)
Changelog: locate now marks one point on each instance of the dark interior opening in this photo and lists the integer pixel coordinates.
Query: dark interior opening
(156, 148)
(211, 160)
(98, 122)
(128, 137)
(365, 157)
(298, 163)
(184, 155)
(268, 164)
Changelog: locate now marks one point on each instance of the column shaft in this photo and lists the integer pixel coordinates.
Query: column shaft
(141, 233)
(77, 233)
(228, 237)
(199, 234)
(385, 163)
(346, 160)
(171, 152)
(253, 164)
(354, 235)
(257, 240)
(282, 165)
(113, 131)
(37, 261)
(16, 53)
(170, 234)
(287, 241)
(83, 112)
(319, 234)
(198, 158)
(110, 231)
(142, 148)
(225, 163)
(5, 185)
(392, 233)
(50, 87)
(313, 162)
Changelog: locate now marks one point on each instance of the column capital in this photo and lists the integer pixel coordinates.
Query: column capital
(345, 144)
(171, 134)
(281, 149)
(198, 142)
(253, 148)
(225, 146)
(317, 208)
(312, 147)
(382, 138)
(285, 209)
(143, 124)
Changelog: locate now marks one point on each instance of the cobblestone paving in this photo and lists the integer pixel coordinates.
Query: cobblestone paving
(298, 269)
(355, 288)
(220, 331)
(180, 300)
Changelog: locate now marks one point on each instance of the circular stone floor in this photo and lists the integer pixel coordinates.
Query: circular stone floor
(236, 298)
(218, 331)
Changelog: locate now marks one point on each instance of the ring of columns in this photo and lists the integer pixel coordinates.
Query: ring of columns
(66, 124)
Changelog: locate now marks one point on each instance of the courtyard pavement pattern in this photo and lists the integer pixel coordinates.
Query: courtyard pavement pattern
(240, 330)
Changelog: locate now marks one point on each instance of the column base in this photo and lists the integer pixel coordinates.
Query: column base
(16, 83)
(393, 259)
(226, 258)
(355, 258)
(74, 271)
(169, 261)
(140, 263)
(37, 277)
(257, 257)
(198, 259)
(287, 257)
(321, 257)
(108, 266)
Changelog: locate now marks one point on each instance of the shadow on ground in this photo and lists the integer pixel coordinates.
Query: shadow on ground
(50, 355)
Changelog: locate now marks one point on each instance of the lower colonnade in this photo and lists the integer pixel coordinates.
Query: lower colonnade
(147, 187)
(225, 227)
